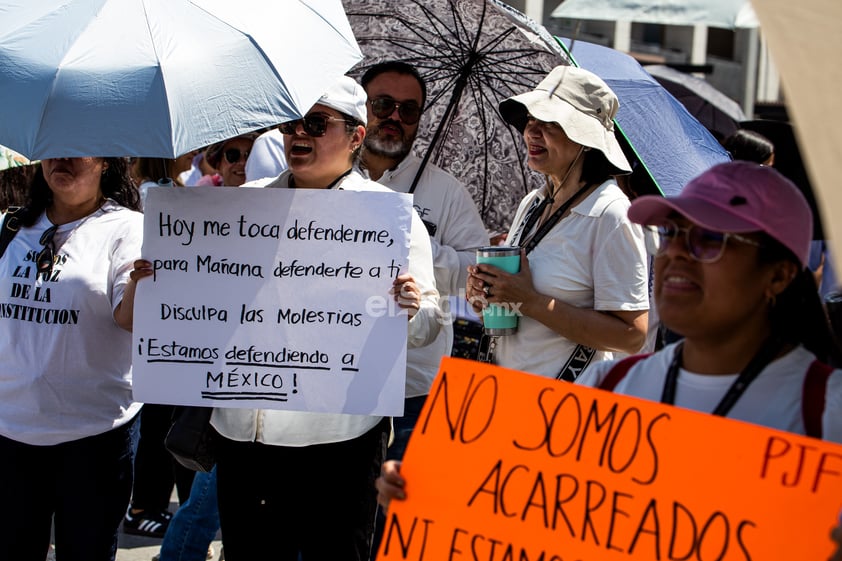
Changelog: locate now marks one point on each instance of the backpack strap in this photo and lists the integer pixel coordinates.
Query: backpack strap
(619, 371)
(11, 225)
(813, 397)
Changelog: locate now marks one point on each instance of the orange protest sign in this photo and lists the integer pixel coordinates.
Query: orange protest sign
(507, 466)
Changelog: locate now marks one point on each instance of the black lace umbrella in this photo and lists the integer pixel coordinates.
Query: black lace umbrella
(472, 54)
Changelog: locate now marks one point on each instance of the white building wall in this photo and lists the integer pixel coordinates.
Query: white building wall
(751, 69)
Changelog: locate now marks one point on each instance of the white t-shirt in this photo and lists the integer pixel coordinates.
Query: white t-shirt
(594, 258)
(267, 158)
(441, 200)
(296, 428)
(192, 175)
(773, 399)
(65, 365)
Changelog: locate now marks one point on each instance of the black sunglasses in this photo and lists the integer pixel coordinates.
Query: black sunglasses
(46, 256)
(408, 111)
(314, 124)
(233, 155)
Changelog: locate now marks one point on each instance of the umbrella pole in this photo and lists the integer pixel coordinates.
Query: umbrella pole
(461, 84)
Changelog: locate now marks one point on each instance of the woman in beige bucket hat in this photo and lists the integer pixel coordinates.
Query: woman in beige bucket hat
(582, 289)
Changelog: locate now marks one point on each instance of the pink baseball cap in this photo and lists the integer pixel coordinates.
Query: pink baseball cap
(738, 197)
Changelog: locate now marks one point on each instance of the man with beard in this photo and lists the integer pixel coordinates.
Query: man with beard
(396, 96)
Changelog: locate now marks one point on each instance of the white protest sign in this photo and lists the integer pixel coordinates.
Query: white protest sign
(272, 298)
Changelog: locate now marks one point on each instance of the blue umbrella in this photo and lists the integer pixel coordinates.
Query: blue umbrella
(159, 78)
(669, 144)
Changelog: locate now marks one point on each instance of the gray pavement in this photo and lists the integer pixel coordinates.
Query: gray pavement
(138, 548)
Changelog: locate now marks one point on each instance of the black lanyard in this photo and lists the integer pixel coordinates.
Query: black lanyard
(551, 221)
(532, 215)
(763, 357)
(332, 183)
(536, 209)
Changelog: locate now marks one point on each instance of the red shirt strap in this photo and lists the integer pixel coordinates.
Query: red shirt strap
(619, 371)
(813, 397)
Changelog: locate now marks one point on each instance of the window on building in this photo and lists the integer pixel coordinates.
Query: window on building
(720, 43)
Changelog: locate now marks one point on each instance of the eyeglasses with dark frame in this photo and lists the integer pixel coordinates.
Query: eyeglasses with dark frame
(233, 155)
(703, 245)
(314, 124)
(46, 257)
(384, 106)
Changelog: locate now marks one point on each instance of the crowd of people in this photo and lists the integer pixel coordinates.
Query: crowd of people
(728, 260)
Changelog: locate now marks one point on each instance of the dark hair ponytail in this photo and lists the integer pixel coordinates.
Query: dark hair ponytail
(798, 315)
(744, 144)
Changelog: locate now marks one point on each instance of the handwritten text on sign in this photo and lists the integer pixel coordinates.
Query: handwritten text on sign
(509, 466)
(272, 298)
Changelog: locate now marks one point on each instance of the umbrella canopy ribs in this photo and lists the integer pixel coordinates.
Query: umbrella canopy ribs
(472, 55)
(159, 78)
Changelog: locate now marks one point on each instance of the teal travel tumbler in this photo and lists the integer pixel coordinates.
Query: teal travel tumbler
(500, 319)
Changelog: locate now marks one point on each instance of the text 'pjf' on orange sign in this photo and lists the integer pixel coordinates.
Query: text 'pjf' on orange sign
(507, 466)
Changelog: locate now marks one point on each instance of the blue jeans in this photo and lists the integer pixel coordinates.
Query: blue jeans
(85, 484)
(404, 426)
(195, 523)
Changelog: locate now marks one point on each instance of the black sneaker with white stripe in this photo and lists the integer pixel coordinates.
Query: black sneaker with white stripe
(150, 524)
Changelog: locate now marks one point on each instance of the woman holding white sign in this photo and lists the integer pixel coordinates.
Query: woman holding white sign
(293, 483)
(67, 423)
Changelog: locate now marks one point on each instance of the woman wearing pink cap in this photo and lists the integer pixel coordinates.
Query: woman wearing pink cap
(730, 278)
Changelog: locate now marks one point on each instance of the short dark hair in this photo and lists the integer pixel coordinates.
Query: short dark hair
(399, 67)
(748, 145)
(596, 169)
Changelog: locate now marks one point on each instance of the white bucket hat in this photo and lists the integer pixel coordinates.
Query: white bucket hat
(580, 103)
